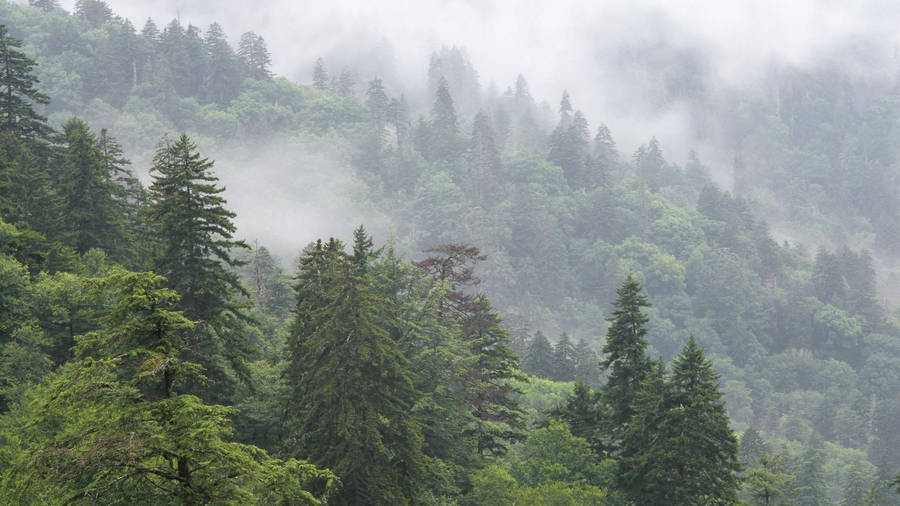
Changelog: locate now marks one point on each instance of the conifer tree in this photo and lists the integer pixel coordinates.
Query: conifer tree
(188, 214)
(625, 354)
(539, 357)
(767, 482)
(704, 440)
(564, 359)
(484, 161)
(255, 55)
(320, 75)
(587, 364)
(17, 87)
(112, 426)
(223, 77)
(92, 197)
(443, 142)
(350, 386)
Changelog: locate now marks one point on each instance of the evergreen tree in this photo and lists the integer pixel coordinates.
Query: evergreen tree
(858, 490)
(539, 357)
(92, 198)
(752, 447)
(564, 359)
(484, 162)
(255, 55)
(625, 362)
(188, 214)
(705, 442)
(320, 75)
(223, 79)
(111, 426)
(350, 386)
(346, 83)
(809, 486)
(443, 142)
(498, 418)
(17, 114)
(587, 364)
(583, 413)
(94, 12)
(44, 5)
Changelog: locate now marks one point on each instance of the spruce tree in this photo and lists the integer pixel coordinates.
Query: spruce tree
(195, 231)
(539, 357)
(255, 55)
(704, 441)
(484, 162)
(564, 359)
(351, 389)
(113, 427)
(91, 195)
(443, 143)
(17, 87)
(625, 354)
(320, 75)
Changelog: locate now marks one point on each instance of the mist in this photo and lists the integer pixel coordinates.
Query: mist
(578, 46)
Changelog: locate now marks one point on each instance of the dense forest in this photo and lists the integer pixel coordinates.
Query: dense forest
(529, 317)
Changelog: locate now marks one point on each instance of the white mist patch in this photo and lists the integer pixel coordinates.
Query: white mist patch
(290, 192)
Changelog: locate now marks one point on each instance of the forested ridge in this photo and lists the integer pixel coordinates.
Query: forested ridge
(550, 320)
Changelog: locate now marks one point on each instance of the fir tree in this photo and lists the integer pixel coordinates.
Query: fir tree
(625, 361)
(92, 197)
(443, 142)
(17, 87)
(188, 214)
(320, 75)
(539, 357)
(484, 162)
(351, 387)
(705, 442)
(564, 359)
(223, 77)
(255, 55)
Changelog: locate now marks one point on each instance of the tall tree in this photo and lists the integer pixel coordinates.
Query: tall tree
(223, 77)
(443, 142)
(484, 162)
(564, 359)
(188, 214)
(255, 55)
(320, 75)
(112, 427)
(350, 386)
(625, 361)
(539, 357)
(91, 195)
(17, 87)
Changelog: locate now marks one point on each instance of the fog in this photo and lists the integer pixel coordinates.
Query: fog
(598, 51)
(568, 44)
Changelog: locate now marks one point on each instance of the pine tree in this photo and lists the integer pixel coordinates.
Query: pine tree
(858, 490)
(809, 486)
(94, 12)
(44, 5)
(587, 364)
(17, 114)
(350, 386)
(752, 447)
(346, 83)
(583, 413)
(625, 361)
(498, 418)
